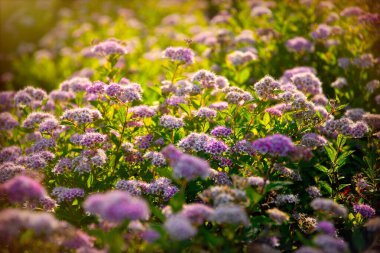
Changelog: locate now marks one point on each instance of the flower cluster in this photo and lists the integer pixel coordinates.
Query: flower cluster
(117, 206)
(67, 194)
(250, 127)
(274, 145)
(179, 54)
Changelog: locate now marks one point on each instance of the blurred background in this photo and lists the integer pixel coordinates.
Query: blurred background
(44, 42)
(33, 32)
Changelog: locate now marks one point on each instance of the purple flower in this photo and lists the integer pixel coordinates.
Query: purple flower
(313, 192)
(205, 78)
(205, 112)
(7, 121)
(323, 31)
(157, 158)
(258, 11)
(220, 177)
(372, 85)
(277, 110)
(215, 147)
(288, 74)
(326, 227)
(81, 115)
(313, 140)
(282, 199)
(364, 61)
(179, 227)
(190, 167)
(243, 146)
(286, 172)
(330, 206)
(175, 100)
(197, 213)
(162, 186)
(143, 142)
(344, 62)
(256, 181)
(8, 170)
(48, 125)
(365, 210)
(92, 139)
(62, 165)
(359, 129)
(6, 98)
(276, 144)
(64, 194)
(330, 243)
(351, 11)
(171, 122)
(171, 152)
(236, 95)
(117, 206)
(307, 83)
(14, 221)
(238, 58)
(22, 188)
(181, 54)
(60, 95)
(230, 214)
(35, 161)
(10, 154)
(125, 93)
(195, 142)
(23, 98)
(299, 44)
(221, 131)
(150, 235)
(266, 87)
(278, 216)
(339, 83)
(221, 82)
(184, 87)
(142, 111)
(36, 118)
(219, 106)
(79, 240)
(134, 187)
(42, 144)
(109, 47)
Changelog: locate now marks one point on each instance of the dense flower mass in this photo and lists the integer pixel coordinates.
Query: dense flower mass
(109, 47)
(273, 145)
(190, 126)
(117, 206)
(179, 54)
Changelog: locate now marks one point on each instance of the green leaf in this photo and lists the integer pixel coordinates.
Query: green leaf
(157, 212)
(276, 185)
(266, 118)
(341, 107)
(342, 186)
(75, 202)
(341, 140)
(253, 196)
(326, 186)
(342, 159)
(90, 180)
(244, 75)
(331, 152)
(177, 201)
(329, 108)
(322, 168)
(185, 108)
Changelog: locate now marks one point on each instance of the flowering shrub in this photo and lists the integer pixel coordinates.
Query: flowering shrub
(229, 142)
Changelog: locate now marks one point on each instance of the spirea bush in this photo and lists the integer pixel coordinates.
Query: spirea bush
(258, 135)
